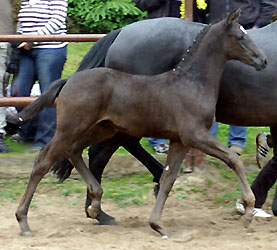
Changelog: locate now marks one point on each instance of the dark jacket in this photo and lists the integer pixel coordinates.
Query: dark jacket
(159, 8)
(254, 12)
(6, 22)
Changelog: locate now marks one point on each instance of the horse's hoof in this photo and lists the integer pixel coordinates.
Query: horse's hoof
(105, 219)
(26, 234)
(107, 223)
(92, 213)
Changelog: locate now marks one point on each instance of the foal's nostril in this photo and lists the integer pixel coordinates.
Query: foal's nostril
(265, 62)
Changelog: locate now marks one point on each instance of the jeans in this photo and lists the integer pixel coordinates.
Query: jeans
(155, 142)
(44, 65)
(237, 134)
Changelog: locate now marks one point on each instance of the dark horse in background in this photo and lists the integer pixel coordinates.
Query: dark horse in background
(108, 101)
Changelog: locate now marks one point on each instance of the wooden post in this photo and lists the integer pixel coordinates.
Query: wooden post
(189, 9)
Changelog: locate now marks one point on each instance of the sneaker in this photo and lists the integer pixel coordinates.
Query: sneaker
(237, 149)
(257, 212)
(262, 148)
(16, 138)
(161, 149)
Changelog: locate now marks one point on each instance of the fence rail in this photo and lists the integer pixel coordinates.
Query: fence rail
(52, 38)
(24, 101)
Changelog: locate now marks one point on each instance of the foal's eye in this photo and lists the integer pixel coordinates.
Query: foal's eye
(240, 38)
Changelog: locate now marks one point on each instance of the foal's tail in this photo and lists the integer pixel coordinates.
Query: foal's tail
(46, 100)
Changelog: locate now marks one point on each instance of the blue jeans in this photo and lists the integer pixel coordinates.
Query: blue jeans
(155, 142)
(46, 66)
(237, 134)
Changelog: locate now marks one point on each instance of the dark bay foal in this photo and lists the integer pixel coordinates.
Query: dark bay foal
(183, 100)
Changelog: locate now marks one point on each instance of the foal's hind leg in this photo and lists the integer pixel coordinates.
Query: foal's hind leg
(176, 154)
(209, 145)
(42, 164)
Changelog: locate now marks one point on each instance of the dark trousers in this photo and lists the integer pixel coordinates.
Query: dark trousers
(267, 177)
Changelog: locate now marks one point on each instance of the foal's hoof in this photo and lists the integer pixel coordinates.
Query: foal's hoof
(162, 231)
(26, 234)
(92, 213)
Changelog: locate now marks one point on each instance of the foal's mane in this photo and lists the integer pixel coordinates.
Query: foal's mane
(191, 49)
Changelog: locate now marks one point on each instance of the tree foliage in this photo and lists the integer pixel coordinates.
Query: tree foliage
(101, 16)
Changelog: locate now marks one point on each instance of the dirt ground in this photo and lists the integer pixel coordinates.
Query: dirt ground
(194, 224)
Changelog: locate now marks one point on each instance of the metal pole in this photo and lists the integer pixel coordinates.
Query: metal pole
(56, 38)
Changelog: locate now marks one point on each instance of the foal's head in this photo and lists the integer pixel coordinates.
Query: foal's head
(239, 45)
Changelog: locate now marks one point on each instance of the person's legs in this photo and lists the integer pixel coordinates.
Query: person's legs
(237, 138)
(22, 86)
(3, 58)
(214, 129)
(159, 145)
(267, 176)
(49, 66)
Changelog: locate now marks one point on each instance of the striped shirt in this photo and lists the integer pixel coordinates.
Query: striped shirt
(43, 17)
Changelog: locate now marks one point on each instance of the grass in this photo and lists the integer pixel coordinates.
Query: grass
(130, 189)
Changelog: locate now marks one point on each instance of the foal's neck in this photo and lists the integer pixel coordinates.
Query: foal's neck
(204, 62)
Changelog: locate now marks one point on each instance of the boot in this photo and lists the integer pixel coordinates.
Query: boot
(194, 159)
(3, 147)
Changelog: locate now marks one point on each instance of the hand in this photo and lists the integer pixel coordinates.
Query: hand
(25, 45)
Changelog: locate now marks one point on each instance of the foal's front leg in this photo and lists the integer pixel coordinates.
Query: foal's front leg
(176, 154)
(205, 142)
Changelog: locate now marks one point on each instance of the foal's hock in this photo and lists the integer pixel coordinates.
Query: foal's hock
(108, 101)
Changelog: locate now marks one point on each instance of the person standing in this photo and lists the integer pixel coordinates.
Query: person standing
(6, 27)
(42, 61)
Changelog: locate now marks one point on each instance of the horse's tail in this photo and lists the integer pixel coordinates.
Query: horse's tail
(97, 54)
(46, 100)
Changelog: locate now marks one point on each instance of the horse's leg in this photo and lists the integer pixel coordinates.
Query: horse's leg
(94, 188)
(134, 147)
(205, 142)
(42, 164)
(100, 137)
(176, 154)
(99, 155)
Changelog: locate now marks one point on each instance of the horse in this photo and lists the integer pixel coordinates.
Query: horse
(185, 99)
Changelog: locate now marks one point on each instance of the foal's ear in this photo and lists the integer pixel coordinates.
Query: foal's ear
(234, 16)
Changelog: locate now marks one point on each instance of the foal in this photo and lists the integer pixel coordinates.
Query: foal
(96, 104)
